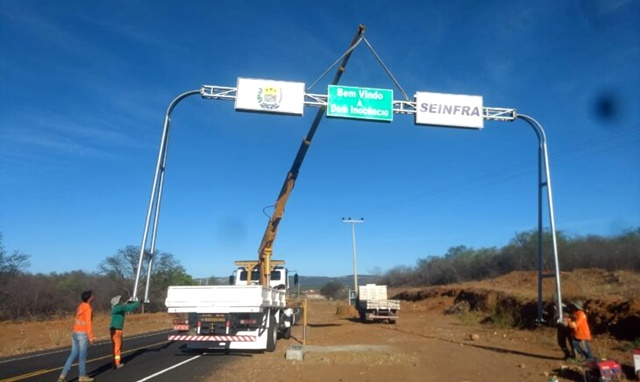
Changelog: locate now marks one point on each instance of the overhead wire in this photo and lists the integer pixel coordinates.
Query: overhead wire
(498, 176)
(377, 57)
(511, 172)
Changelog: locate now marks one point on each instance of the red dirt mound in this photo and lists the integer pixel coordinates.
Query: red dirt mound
(611, 299)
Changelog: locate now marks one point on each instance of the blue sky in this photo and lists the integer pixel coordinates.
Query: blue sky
(85, 86)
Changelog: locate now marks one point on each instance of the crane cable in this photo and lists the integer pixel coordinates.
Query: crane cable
(375, 54)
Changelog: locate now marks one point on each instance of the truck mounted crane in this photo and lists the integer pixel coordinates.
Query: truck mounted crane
(242, 315)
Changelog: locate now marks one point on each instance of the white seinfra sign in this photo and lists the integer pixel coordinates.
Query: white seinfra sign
(454, 110)
(270, 96)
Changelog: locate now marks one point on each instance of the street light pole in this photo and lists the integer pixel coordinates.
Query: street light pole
(353, 246)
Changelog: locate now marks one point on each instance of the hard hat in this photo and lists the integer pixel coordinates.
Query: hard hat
(115, 300)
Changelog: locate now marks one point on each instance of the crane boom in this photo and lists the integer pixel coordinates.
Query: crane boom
(266, 246)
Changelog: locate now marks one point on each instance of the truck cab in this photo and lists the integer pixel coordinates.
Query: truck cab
(248, 273)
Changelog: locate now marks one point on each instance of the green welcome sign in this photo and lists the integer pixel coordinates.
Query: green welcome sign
(360, 103)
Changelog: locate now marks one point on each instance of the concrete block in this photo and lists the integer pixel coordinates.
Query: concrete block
(295, 353)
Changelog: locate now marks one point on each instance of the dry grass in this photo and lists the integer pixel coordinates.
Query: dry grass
(17, 337)
(346, 311)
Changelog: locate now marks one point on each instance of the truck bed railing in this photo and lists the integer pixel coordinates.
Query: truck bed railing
(382, 304)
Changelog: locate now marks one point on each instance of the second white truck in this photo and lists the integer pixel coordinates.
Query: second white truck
(374, 305)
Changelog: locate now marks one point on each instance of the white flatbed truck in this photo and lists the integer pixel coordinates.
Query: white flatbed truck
(248, 317)
(373, 304)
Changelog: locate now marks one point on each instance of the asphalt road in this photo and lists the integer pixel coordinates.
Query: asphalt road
(147, 358)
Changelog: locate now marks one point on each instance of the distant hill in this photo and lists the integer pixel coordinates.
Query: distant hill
(307, 282)
(317, 282)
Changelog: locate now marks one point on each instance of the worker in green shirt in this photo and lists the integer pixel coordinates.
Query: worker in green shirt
(118, 311)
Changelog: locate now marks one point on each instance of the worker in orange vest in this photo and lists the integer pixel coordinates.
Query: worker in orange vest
(580, 330)
(81, 339)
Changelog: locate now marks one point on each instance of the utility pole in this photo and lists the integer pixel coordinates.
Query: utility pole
(353, 246)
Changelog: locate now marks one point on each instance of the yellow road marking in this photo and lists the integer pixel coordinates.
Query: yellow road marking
(45, 371)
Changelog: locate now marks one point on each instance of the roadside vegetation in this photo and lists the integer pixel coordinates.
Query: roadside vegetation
(462, 264)
(25, 295)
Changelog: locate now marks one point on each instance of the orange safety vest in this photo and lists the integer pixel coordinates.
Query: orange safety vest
(83, 318)
(580, 326)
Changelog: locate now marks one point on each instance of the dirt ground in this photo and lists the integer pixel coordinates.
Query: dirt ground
(489, 336)
(30, 336)
(428, 345)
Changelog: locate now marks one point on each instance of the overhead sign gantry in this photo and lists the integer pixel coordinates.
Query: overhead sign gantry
(435, 109)
(290, 98)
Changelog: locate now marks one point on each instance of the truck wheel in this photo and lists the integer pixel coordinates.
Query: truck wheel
(287, 333)
(272, 334)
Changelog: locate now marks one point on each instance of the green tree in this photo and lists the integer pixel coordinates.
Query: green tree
(333, 290)
(165, 271)
(402, 275)
(12, 267)
(13, 264)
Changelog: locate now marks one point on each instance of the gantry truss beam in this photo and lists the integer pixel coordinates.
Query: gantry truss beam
(320, 100)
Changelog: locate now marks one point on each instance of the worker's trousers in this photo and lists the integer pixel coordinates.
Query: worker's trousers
(583, 348)
(116, 342)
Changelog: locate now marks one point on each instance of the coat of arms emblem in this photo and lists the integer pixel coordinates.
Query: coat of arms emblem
(269, 97)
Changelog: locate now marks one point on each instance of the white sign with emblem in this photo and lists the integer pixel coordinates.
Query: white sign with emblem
(454, 110)
(270, 96)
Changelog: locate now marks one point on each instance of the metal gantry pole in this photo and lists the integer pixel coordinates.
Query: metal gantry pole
(353, 248)
(544, 180)
(156, 196)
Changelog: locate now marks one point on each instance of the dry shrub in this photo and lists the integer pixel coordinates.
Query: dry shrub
(58, 337)
(346, 311)
(24, 346)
